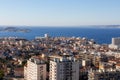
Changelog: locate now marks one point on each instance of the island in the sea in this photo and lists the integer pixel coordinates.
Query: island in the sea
(15, 29)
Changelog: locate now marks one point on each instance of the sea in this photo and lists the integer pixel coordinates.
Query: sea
(100, 35)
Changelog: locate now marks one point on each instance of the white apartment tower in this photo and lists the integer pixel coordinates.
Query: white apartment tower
(46, 35)
(64, 68)
(115, 43)
(35, 70)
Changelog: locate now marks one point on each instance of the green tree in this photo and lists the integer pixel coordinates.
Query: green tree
(1, 74)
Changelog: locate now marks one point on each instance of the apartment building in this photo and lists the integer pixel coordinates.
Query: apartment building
(104, 75)
(115, 43)
(35, 70)
(64, 68)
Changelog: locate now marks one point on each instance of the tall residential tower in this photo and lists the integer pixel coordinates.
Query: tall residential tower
(64, 68)
(35, 70)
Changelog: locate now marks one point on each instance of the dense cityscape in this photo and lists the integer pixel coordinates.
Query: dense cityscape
(59, 39)
(58, 58)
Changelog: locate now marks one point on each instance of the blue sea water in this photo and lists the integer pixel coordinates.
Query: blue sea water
(100, 35)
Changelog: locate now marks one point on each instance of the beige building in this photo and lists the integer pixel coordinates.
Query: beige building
(35, 70)
(64, 68)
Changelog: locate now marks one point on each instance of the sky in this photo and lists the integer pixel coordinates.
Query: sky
(59, 12)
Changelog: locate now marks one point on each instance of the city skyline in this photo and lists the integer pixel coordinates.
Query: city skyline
(59, 13)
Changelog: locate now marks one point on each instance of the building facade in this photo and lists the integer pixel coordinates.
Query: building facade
(104, 75)
(35, 70)
(115, 43)
(64, 68)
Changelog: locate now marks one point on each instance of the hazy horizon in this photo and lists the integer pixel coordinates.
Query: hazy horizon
(101, 25)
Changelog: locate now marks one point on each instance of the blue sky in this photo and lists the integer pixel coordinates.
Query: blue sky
(59, 12)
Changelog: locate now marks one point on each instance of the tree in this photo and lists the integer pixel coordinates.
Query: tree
(1, 74)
